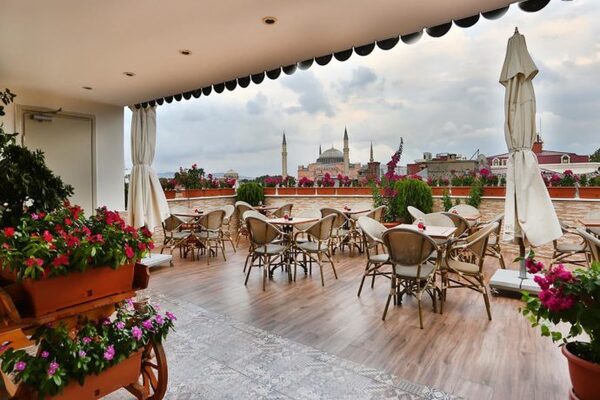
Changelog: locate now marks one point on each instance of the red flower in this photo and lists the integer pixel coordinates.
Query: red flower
(47, 236)
(72, 241)
(129, 253)
(68, 221)
(9, 232)
(62, 259)
(141, 246)
(32, 261)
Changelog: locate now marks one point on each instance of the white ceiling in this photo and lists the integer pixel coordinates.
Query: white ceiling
(61, 45)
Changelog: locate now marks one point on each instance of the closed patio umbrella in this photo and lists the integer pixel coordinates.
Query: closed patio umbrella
(146, 202)
(529, 213)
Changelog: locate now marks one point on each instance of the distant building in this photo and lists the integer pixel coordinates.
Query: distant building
(231, 174)
(443, 165)
(549, 160)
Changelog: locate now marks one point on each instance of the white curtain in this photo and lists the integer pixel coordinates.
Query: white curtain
(146, 203)
(529, 213)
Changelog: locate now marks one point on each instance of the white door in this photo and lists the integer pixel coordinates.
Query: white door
(67, 143)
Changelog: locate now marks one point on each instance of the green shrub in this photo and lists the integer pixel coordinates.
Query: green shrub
(446, 201)
(475, 194)
(251, 193)
(411, 192)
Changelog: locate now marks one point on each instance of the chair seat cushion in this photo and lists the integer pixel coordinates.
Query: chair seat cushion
(379, 258)
(411, 271)
(567, 247)
(207, 235)
(270, 249)
(312, 247)
(180, 235)
(462, 266)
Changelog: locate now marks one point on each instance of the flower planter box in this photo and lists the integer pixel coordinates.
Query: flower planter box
(557, 192)
(212, 192)
(270, 191)
(328, 191)
(51, 294)
(170, 194)
(584, 375)
(439, 190)
(589, 192)
(460, 190)
(354, 191)
(305, 191)
(286, 191)
(120, 375)
(194, 193)
(227, 191)
(494, 191)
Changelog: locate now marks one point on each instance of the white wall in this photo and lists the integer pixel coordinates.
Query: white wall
(109, 138)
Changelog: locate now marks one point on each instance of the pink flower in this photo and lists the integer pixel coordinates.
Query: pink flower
(129, 253)
(120, 325)
(159, 319)
(109, 354)
(44, 354)
(20, 366)
(86, 340)
(171, 316)
(147, 324)
(52, 368)
(82, 353)
(533, 266)
(136, 332)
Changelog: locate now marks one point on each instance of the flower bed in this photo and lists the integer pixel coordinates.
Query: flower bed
(562, 192)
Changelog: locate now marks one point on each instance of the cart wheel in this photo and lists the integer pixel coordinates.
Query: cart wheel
(154, 374)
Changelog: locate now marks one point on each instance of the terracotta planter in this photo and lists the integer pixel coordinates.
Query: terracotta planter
(227, 191)
(392, 224)
(194, 193)
(305, 191)
(439, 190)
(557, 192)
(51, 294)
(329, 191)
(123, 374)
(460, 190)
(354, 191)
(269, 191)
(494, 191)
(592, 192)
(170, 194)
(287, 191)
(212, 192)
(585, 376)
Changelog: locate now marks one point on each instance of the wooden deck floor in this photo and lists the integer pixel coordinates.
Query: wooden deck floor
(459, 352)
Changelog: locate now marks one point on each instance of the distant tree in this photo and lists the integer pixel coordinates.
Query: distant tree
(595, 157)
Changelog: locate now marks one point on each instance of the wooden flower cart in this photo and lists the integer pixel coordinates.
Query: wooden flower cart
(144, 374)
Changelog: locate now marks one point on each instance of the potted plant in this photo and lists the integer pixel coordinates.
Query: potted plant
(168, 186)
(571, 299)
(461, 185)
(492, 186)
(227, 186)
(271, 183)
(562, 186)
(250, 192)
(190, 179)
(210, 186)
(326, 185)
(94, 257)
(589, 188)
(94, 356)
(305, 186)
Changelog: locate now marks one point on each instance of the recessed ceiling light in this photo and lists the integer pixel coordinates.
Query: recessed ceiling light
(269, 20)
(129, 73)
(87, 87)
(185, 52)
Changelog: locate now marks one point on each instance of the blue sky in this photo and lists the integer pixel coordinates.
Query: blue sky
(440, 95)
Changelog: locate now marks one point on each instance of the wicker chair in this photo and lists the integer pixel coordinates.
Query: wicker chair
(493, 248)
(285, 209)
(593, 243)
(463, 265)
(318, 246)
(340, 234)
(377, 213)
(254, 214)
(575, 253)
(241, 207)
(173, 236)
(415, 213)
(461, 224)
(210, 234)
(262, 236)
(412, 272)
(466, 210)
(226, 229)
(372, 232)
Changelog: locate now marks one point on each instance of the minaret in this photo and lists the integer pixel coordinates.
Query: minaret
(371, 159)
(319, 150)
(346, 153)
(283, 157)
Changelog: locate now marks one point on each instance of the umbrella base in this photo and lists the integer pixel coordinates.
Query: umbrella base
(507, 282)
(156, 260)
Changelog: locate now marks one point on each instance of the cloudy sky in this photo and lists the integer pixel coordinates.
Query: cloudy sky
(440, 95)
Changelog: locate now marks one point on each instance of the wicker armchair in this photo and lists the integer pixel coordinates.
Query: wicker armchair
(494, 249)
(340, 234)
(372, 232)
(241, 207)
(285, 209)
(318, 246)
(226, 228)
(174, 236)
(210, 234)
(593, 243)
(569, 252)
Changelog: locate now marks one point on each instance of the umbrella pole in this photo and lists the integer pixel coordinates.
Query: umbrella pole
(522, 269)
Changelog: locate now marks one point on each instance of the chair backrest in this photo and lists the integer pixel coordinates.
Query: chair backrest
(407, 247)
(498, 219)
(241, 207)
(339, 220)
(172, 223)
(212, 220)
(594, 215)
(435, 219)
(461, 224)
(593, 243)
(310, 213)
(283, 210)
(372, 230)
(321, 230)
(182, 210)
(229, 210)
(377, 213)
(261, 232)
(254, 214)
(415, 213)
(477, 242)
(465, 209)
